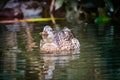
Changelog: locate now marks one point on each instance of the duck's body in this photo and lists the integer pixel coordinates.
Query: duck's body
(57, 41)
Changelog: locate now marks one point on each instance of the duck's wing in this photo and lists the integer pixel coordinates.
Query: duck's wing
(68, 35)
(59, 37)
(75, 43)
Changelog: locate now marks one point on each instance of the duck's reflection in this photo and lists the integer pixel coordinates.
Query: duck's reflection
(51, 60)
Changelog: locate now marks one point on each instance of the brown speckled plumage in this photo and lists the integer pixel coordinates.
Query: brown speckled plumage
(57, 41)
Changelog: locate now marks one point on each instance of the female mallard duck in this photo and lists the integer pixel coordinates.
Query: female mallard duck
(57, 41)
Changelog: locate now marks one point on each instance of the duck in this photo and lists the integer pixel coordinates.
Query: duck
(48, 42)
(54, 41)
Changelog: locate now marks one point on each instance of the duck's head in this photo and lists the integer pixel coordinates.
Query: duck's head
(47, 34)
(46, 31)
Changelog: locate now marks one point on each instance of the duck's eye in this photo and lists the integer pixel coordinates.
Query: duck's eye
(50, 29)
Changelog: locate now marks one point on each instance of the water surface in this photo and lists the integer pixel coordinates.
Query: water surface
(98, 58)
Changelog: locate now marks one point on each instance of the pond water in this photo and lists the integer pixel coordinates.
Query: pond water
(98, 58)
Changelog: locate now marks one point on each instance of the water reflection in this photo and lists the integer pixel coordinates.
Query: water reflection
(98, 58)
(52, 60)
(9, 57)
(9, 66)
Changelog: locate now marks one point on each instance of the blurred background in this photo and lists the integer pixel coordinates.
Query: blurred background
(95, 23)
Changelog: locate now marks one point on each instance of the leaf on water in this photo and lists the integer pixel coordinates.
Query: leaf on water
(102, 20)
(58, 4)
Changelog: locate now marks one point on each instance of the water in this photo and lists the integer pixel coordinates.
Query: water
(98, 58)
